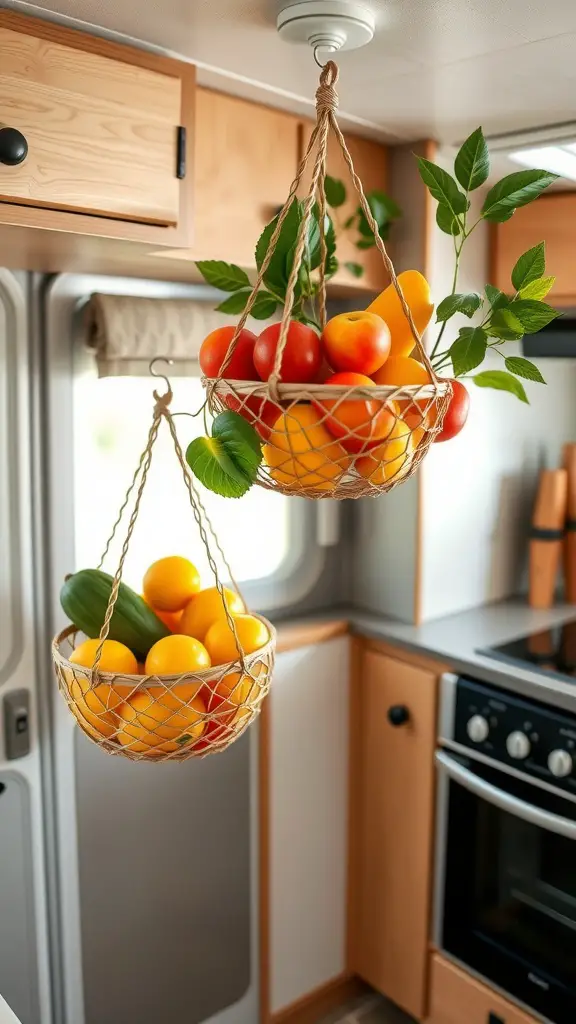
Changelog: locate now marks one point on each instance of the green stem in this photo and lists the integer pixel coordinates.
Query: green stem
(458, 251)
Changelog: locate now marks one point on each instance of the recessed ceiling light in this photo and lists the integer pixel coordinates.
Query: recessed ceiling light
(560, 159)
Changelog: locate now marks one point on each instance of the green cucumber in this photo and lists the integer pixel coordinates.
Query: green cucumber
(84, 598)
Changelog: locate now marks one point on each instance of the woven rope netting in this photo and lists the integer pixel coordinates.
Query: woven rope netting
(324, 441)
(165, 718)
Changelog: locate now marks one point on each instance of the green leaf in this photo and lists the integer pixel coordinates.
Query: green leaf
(383, 207)
(276, 276)
(524, 368)
(349, 222)
(227, 277)
(530, 266)
(227, 462)
(468, 351)
(264, 306)
(532, 314)
(446, 220)
(515, 190)
(330, 236)
(363, 226)
(459, 303)
(365, 243)
(504, 325)
(442, 186)
(501, 381)
(537, 289)
(235, 303)
(356, 269)
(472, 164)
(495, 297)
(335, 191)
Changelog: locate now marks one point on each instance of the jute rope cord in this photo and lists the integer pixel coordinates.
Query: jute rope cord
(177, 717)
(353, 441)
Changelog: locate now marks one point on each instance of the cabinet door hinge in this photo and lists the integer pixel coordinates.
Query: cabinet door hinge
(181, 153)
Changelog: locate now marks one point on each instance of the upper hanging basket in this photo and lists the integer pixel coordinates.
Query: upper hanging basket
(154, 717)
(331, 441)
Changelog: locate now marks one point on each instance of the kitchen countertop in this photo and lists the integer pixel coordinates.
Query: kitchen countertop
(458, 640)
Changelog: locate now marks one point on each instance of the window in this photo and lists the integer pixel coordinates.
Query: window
(112, 417)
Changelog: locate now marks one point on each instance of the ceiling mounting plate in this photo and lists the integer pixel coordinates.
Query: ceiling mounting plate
(328, 25)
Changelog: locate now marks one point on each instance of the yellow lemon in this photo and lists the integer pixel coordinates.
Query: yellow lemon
(302, 454)
(115, 657)
(206, 608)
(170, 583)
(390, 459)
(221, 643)
(175, 655)
(159, 721)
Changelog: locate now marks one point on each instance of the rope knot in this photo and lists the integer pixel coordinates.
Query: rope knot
(162, 402)
(326, 95)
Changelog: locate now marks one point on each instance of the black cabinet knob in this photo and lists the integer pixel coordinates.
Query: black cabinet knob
(13, 147)
(398, 714)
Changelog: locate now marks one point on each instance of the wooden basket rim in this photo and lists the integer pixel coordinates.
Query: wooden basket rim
(204, 675)
(379, 391)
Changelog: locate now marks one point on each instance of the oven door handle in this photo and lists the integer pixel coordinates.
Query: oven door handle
(505, 801)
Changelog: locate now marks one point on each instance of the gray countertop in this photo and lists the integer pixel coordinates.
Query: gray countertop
(459, 641)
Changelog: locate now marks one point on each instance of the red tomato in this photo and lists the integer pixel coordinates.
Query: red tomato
(356, 342)
(213, 352)
(301, 359)
(261, 413)
(456, 414)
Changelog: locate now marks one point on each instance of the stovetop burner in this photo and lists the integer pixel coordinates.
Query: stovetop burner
(551, 650)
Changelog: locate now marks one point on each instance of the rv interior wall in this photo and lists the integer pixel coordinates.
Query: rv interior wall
(477, 491)
(386, 534)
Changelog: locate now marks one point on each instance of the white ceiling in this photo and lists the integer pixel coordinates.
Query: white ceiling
(435, 68)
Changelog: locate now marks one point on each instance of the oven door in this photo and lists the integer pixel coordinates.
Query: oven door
(507, 883)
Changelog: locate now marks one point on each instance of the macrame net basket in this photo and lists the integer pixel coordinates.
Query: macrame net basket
(332, 442)
(164, 718)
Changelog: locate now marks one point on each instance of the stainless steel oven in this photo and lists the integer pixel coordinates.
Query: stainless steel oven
(506, 844)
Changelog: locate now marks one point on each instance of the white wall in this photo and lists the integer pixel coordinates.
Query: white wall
(478, 488)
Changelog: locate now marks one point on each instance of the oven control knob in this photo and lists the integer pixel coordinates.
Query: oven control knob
(477, 729)
(560, 763)
(518, 745)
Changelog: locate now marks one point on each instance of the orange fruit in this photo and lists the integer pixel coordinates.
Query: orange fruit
(93, 707)
(206, 608)
(170, 583)
(391, 459)
(175, 655)
(221, 643)
(302, 453)
(170, 619)
(356, 422)
(233, 694)
(159, 721)
(416, 291)
(399, 370)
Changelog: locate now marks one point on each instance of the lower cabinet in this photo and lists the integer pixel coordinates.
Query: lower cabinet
(457, 998)
(392, 825)
(308, 827)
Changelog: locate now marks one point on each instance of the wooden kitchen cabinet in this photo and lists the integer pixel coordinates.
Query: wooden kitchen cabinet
(102, 123)
(246, 159)
(392, 825)
(458, 998)
(371, 165)
(551, 219)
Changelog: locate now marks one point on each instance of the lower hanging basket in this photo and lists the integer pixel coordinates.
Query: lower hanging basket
(165, 718)
(322, 441)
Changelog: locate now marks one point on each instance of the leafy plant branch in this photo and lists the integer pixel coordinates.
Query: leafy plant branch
(502, 318)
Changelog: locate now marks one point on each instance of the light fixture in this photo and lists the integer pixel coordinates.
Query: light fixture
(560, 159)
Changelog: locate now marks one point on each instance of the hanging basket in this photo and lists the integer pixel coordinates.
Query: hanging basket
(165, 718)
(325, 441)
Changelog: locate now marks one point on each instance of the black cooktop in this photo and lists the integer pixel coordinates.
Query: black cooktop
(551, 650)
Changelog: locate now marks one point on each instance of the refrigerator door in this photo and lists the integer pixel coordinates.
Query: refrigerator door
(157, 864)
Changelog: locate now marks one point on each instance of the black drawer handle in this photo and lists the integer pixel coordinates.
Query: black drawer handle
(13, 147)
(398, 714)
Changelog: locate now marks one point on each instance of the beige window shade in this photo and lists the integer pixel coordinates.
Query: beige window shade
(126, 332)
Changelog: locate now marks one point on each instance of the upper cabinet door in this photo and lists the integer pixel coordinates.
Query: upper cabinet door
(246, 159)
(102, 133)
(370, 161)
(550, 219)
